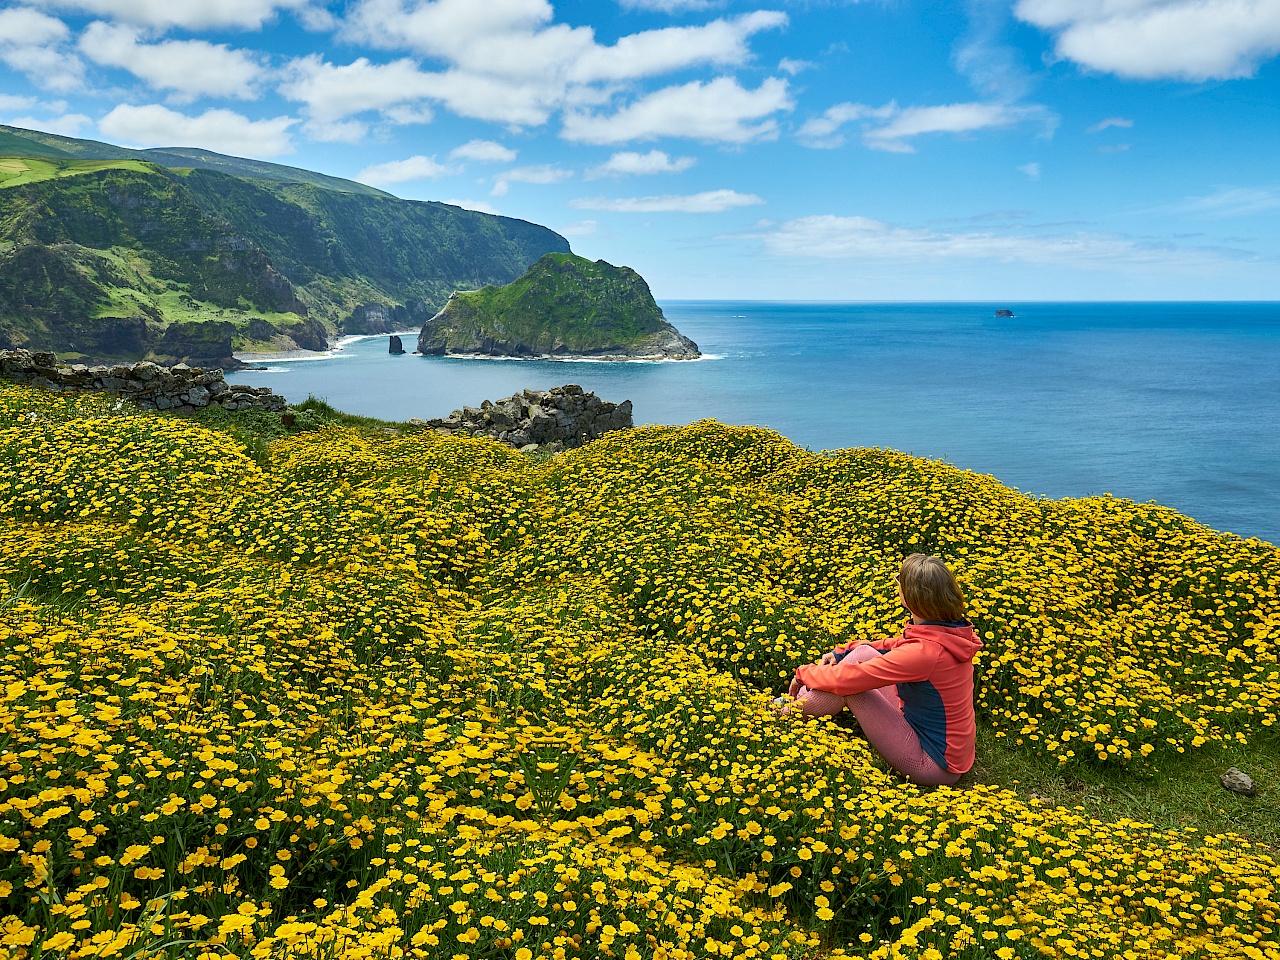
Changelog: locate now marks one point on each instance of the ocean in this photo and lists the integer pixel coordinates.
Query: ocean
(1173, 402)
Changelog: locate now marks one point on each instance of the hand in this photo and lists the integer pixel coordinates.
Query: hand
(828, 658)
(794, 689)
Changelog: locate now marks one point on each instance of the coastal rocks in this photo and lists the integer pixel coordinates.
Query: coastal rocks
(396, 347)
(178, 388)
(310, 334)
(549, 420)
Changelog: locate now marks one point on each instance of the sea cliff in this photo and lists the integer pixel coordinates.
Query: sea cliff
(564, 306)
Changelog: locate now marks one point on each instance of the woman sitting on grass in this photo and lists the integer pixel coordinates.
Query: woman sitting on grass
(925, 728)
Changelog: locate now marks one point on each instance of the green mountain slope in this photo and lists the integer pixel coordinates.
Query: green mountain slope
(343, 249)
(120, 257)
(564, 305)
(18, 142)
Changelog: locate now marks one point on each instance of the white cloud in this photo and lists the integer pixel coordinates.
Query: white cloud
(718, 110)
(792, 67)
(10, 102)
(67, 125)
(668, 6)
(480, 206)
(507, 61)
(333, 93)
(483, 151)
(822, 132)
(582, 228)
(22, 26)
(1110, 122)
(336, 131)
(1032, 170)
(190, 68)
(712, 201)
(654, 52)
(35, 44)
(1154, 39)
(860, 238)
(542, 173)
(400, 171)
(220, 130)
(898, 125)
(190, 14)
(1234, 202)
(950, 118)
(629, 163)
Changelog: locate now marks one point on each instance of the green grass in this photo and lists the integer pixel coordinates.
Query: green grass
(563, 298)
(169, 300)
(1182, 794)
(15, 171)
(257, 429)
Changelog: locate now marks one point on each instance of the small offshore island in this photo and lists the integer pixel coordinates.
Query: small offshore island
(564, 307)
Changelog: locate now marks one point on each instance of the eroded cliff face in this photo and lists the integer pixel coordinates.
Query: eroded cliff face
(564, 306)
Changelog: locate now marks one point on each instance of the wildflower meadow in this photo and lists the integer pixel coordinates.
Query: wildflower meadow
(358, 694)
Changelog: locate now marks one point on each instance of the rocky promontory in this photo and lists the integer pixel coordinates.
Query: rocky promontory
(532, 420)
(565, 306)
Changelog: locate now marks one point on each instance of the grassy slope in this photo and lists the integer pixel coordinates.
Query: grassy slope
(562, 299)
(96, 241)
(17, 141)
(89, 240)
(341, 249)
(367, 639)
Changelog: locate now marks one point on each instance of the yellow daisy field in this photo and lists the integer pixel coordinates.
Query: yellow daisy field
(368, 695)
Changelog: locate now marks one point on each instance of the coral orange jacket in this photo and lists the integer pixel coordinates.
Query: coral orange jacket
(931, 665)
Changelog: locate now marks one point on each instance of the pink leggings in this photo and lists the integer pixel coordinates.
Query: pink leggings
(882, 724)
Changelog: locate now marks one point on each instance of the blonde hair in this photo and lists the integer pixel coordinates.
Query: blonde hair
(930, 590)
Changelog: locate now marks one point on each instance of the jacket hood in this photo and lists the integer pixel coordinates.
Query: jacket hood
(961, 642)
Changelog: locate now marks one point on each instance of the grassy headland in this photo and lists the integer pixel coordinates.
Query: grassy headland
(563, 305)
(403, 695)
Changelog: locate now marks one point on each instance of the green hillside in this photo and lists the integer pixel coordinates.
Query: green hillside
(343, 249)
(16, 141)
(563, 305)
(120, 257)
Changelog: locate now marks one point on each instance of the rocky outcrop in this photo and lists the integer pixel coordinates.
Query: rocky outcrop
(396, 346)
(149, 385)
(563, 307)
(371, 318)
(548, 420)
(197, 341)
(310, 334)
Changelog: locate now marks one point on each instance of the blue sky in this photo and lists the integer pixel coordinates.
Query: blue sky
(1037, 149)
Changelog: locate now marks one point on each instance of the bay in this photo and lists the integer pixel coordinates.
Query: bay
(1173, 402)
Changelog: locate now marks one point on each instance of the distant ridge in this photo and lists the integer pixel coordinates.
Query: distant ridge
(17, 141)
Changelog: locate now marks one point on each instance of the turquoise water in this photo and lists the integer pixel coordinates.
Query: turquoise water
(1177, 403)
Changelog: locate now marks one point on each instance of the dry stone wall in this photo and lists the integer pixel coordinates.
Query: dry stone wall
(550, 420)
(149, 385)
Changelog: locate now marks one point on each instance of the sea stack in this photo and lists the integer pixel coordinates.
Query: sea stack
(564, 306)
(396, 348)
